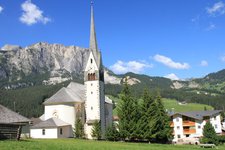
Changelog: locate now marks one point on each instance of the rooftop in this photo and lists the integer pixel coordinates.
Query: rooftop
(73, 93)
(198, 114)
(8, 116)
(50, 123)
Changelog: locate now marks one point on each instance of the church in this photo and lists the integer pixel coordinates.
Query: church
(86, 102)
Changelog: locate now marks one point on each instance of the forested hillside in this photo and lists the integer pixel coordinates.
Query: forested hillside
(28, 99)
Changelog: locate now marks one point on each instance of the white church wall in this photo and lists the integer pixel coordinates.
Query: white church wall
(50, 133)
(66, 132)
(88, 131)
(92, 100)
(91, 65)
(64, 112)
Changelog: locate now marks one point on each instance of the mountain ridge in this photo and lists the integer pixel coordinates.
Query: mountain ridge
(52, 66)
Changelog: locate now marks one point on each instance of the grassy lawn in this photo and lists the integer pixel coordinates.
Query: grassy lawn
(169, 104)
(72, 144)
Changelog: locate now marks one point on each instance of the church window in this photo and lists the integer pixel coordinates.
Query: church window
(43, 131)
(91, 61)
(60, 131)
(91, 92)
(91, 108)
(91, 76)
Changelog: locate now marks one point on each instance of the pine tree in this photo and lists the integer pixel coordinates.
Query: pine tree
(145, 119)
(96, 130)
(209, 134)
(79, 129)
(160, 128)
(127, 109)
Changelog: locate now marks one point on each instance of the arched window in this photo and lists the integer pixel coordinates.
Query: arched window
(91, 61)
(91, 76)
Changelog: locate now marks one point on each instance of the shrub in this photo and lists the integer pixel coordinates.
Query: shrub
(112, 134)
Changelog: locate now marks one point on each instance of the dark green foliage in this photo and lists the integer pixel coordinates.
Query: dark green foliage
(221, 138)
(127, 112)
(28, 101)
(161, 123)
(146, 116)
(96, 130)
(145, 121)
(79, 129)
(112, 134)
(209, 134)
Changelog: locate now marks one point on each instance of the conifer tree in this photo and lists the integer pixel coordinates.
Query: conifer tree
(79, 129)
(160, 128)
(96, 130)
(209, 134)
(145, 119)
(126, 113)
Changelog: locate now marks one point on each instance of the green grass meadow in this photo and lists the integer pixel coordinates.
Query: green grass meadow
(173, 104)
(169, 104)
(74, 144)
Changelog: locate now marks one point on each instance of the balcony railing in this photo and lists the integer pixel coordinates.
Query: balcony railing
(189, 131)
(188, 123)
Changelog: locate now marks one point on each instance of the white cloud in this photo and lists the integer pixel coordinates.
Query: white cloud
(217, 8)
(211, 27)
(172, 76)
(32, 14)
(195, 19)
(204, 63)
(170, 63)
(132, 66)
(223, 58)
(1, 9)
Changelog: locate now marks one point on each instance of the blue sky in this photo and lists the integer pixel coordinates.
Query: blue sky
(173, 38)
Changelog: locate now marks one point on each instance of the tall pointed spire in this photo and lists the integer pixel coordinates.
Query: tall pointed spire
(93, 41)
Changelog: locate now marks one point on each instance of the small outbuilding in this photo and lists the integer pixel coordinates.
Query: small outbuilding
(52, 128)
(11, 123)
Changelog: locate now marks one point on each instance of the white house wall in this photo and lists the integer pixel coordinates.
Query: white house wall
(216, 123)
(178, 121)
(214, 120)
(199, 130)
(65, 113)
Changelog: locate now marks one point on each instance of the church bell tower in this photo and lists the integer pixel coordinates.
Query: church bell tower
(94, 84)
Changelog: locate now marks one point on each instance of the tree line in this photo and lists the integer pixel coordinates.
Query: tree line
(144, 120)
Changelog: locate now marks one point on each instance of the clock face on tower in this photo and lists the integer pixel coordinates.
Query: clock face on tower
(55, 114)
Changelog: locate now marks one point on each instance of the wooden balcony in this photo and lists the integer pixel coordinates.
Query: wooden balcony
(189, 131)
(188, 123)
